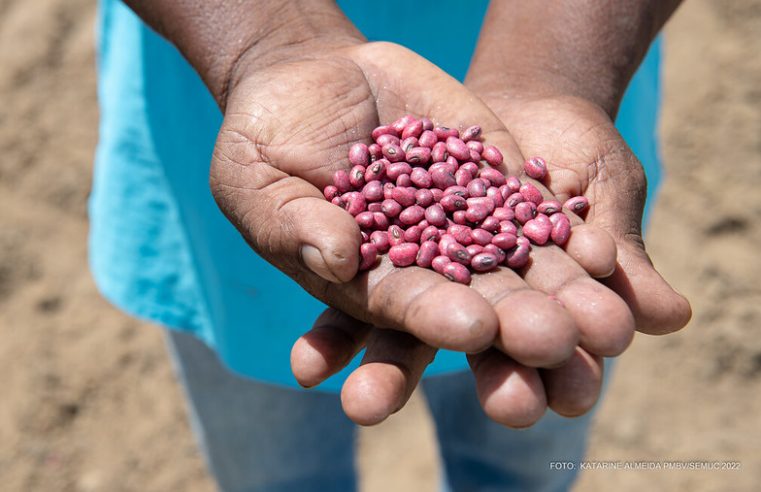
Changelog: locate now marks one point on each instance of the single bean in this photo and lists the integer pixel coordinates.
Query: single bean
(504, 240)
(525, 211)
(427, 124)
(457, 252)
(413, 129)
(376, 170)
(424, 197)
(458, 217)
(366, 220)
(396, 169)
(437, 194)
(439, 263)
(412, 214)
(496, 197)
(373, 191)
(493, 176)
(330, 192)
(481, 236)
(491, 224)
(531, 193)
(400, 124)
(458, 149)
(439, 152)
(384, 130)
(419, 155)
(471, 167)
(421, 178)
(391, 208)
(395, 235)
(492, 155)
(514, 184)
(430, 233)
(381, 220)
(462, 177)
(375, 152)
(549, 207)
(413, 234)
(357, 176)
(576, 204)
(403, 180)
(442, 178)
(436, 215)
(388, 190)
(387, 139)
(474, 156)
(442, 133)
(535, 167)
(513, 200)
(477, 187)
(484, 262)
(355, 202)
(496, 251)
(405, 196)
(456, 273)
(374, 207)
(427, 139)
(426, 253)
(561, 229)
(380, 240)
(474, 249)
(369, 256)
(461, 234)
(392, 152)
(471, 133)
(475, 145)
(408, 144)
(481, 202)
(518, 256)
(359, 155)
(503, 213)
(341, 181)
(403, 254)
(537, 231)
(508, 226)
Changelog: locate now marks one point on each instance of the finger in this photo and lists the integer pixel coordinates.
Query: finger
(592, 248)
(284, 218)
(573, 389)
(510, 393)
(534, 330)
(327, 348)
(604, 321)
(656, 306)
(389, 372)
(421, 302)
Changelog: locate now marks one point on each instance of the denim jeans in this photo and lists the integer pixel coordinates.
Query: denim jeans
(260, 437)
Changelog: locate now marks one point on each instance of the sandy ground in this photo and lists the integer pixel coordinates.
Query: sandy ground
(89, 402)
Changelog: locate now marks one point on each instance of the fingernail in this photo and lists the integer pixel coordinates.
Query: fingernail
(314, 260)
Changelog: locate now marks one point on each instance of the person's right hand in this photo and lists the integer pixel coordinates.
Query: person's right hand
(287, 129)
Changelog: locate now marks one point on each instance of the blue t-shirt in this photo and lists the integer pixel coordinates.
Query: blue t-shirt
(160, 248)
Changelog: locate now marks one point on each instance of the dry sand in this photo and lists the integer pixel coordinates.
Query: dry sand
(89, 402)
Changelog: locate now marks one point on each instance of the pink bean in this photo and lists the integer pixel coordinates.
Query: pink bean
(365, 220)
(457, 252)
(430, 233)
(514, 184)
(477, 187)
(380, 240)
(388, 190)
(458, 149)
(470, 133)
(518, 257)
(384, 130)
(400, 124)
(442, 178)
(413, 129)
(381, 221)
(373, 191)
(502, 213)
(513, 200)
(576, 204)
(508, 226)
(405, 196)
(493, 176)
(391, 208)
(421, 178)
(424, 197)
(436, 215)
(484, 262)
(549, 207)
(330, 192)
(375, 152)
(387, 139)
(456, 273)
(437, 194)
(491, 224)
(355, 202)
(525, 211)
(495, 195)
(498, 252)
(419, 155)
(376, 170)
(374, 207)
(404, 254)
(413, 234)
(471, 167)
(439, 263)
(357, 177)
(442, 133)
(484, 201)
(504, 240)
(462, 177)
(392, 152)
(535, 167)
(369, 256)
(537, 231)
(474, 249)
(427, 139)
(492, 155)
(408, 144)
(341, 181)
(481, 236)
(439, 152)
(475, 145)
(359, 155)
(426, 253)
(395, 235)
(412, 214)
(531, 193)
(561, 229)
(461, 234)
(474, 156)
(396, 169)
(427, 124)
(444, 241)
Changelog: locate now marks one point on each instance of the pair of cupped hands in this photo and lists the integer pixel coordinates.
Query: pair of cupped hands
(288, 125)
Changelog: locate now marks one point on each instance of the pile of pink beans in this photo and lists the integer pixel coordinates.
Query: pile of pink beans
(432, 197)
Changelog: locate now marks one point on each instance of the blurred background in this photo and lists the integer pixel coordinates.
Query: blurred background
(88, 401)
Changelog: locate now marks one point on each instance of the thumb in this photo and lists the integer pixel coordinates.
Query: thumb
(616, 206)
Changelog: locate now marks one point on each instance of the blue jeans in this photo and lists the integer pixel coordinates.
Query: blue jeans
(259, 437)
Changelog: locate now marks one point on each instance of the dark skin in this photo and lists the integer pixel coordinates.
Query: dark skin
(272, 159)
